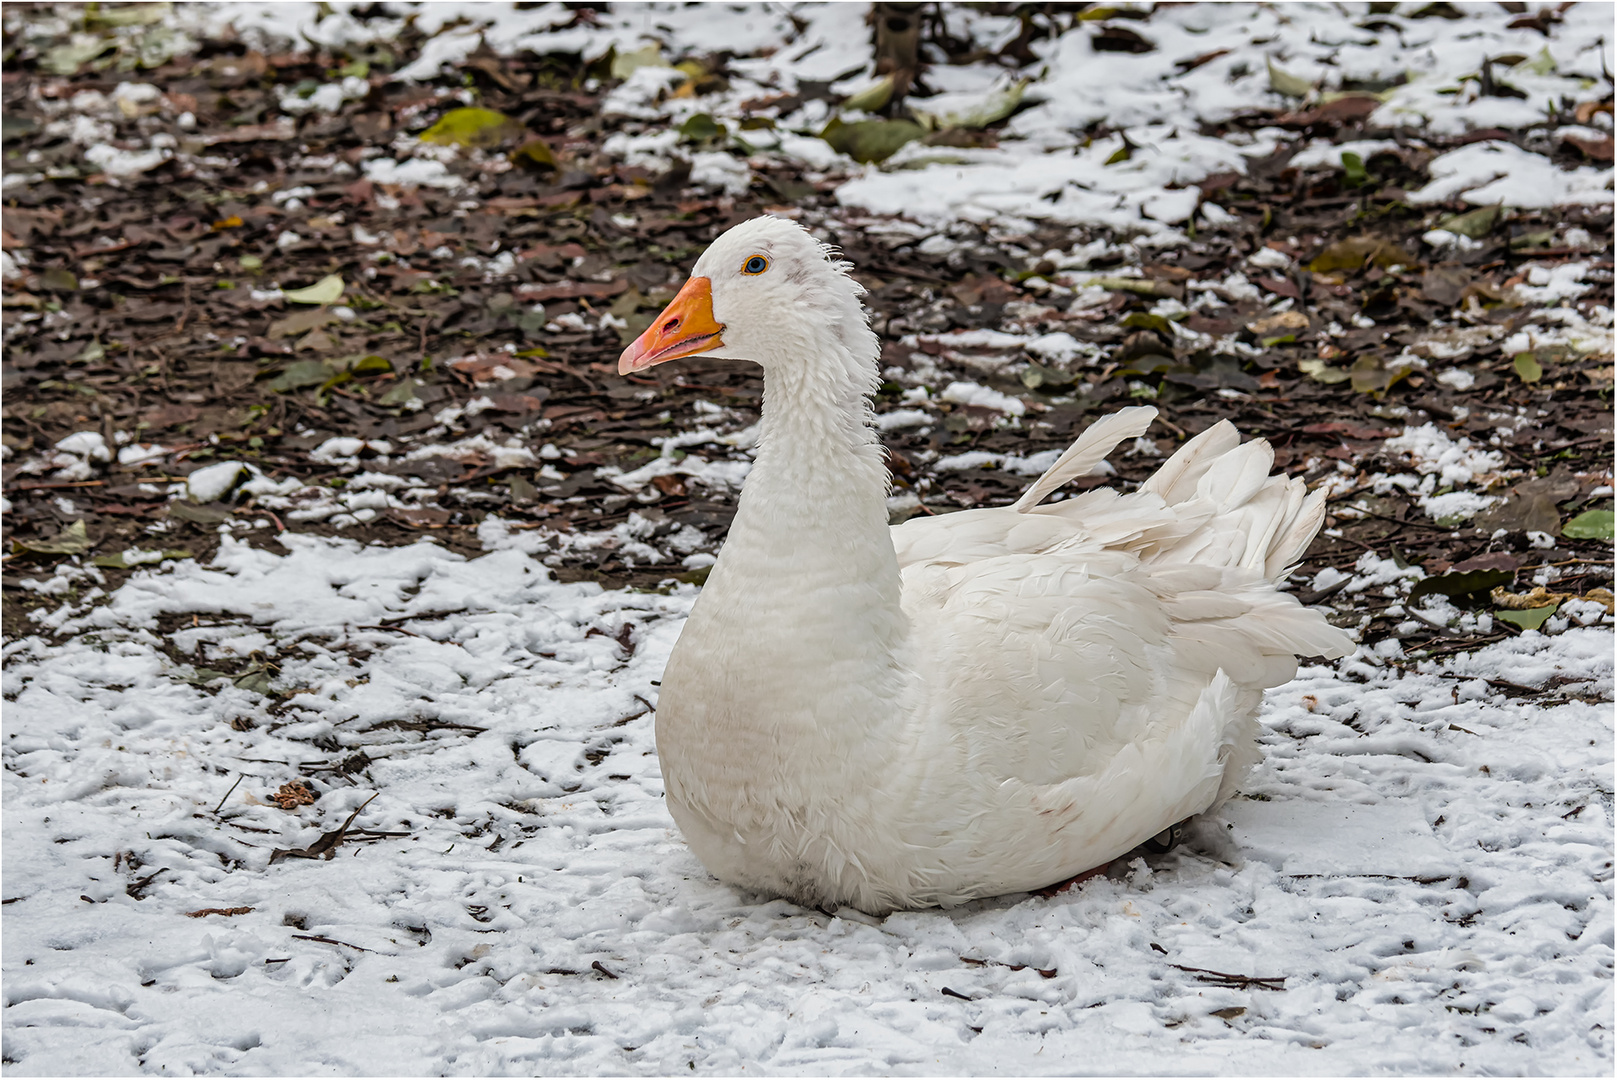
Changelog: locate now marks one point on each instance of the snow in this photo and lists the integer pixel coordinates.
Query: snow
(970, 393)
(1423, 861)
(415, 172)
(1492, 171)
(1434, 453)
(212, 482)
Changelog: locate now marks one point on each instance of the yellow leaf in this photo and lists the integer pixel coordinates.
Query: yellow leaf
(471, 127)
(1283, 82)
(328, 290)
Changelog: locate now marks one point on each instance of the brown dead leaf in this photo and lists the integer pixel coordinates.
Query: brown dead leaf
(326, 846)
(571, 290)
(1586, 110)
(227, 911)
(1538, 598)
(1285, 320)
(292, 795)
(1445, 285)
(1594, 149)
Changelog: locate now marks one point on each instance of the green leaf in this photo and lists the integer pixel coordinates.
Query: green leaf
(1531, 619)
(872, 97)
(1589, 525)
(1036, 375)
(626, 64)
(142, 558)
(1461, 584)
(1283, 82)
(400, 394)
(1542, 64)
(472, 127)
(128, 14)
(701, 127)
(535, 153)
(251, 262)
(1355, 252)
(255, 679)
(300, 373)
(1142, 320)
(70, 541)
(1528, 369)
(1353, 166)
(996, 104)
(1320, 371)
(58, 280)
(328, 290)
(871, 140)
(1121, 154)
(67, 59)
(373, 364)
(1473, 223)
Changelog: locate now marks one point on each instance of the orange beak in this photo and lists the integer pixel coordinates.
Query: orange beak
(686, 326)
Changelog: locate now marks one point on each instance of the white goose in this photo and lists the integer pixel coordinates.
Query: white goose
(960, 706)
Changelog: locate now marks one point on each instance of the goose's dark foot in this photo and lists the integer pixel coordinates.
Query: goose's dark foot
(1166, 840)
(1073, 882)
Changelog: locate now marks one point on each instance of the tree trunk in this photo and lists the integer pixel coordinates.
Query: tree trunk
(897, 43)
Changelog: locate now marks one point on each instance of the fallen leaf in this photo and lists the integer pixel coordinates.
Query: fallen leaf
(1458, 585)
(996, 104)
(472, 128)
(1320, 371)
(119, 561)
(301, 373)
(72, 540)
(872, 98)
(1474, 223)
(1285, 320)
(293, 794)
(868, 141)
(1354, 252)
(1590, 525)
(1120, 39)
(326, 846)
(1283, 82)
(1531, 619)
(1527, 367)
(199, 515)
(1527, 601)
(1595, 149)
(202, 912)
(328, 290)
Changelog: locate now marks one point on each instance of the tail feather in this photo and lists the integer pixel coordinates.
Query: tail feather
(1177, 479)
(1213, 503)
(1090, 449)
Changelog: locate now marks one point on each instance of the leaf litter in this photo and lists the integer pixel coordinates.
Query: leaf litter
(382, 294)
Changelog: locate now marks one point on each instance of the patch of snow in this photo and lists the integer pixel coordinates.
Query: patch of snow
(970, 393)
(415, 172)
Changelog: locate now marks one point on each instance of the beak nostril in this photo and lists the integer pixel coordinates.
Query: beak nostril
(670, 326)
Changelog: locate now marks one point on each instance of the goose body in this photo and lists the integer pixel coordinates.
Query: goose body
(967, 705)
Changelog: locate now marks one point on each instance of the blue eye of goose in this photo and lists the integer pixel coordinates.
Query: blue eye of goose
(755, 265)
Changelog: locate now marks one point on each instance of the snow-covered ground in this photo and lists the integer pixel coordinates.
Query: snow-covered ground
(1420, 872)
(1418, 879)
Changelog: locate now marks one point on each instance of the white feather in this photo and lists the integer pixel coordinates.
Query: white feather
(972, 704)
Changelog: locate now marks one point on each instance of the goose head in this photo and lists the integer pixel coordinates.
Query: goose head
(765, 291)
